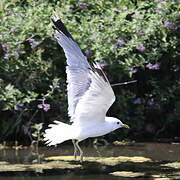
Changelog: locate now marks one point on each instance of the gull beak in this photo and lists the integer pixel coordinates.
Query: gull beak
(126, 126)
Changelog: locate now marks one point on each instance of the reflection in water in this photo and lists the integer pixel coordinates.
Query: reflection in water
(154, 151)
(19, 156)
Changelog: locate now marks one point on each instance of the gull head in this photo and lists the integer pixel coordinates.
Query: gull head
(115, 123)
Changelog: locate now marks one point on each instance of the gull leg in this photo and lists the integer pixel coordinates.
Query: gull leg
(81, 152)
(75, 148)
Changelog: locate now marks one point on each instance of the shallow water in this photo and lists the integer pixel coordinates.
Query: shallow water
(157, 152)
(66, 177)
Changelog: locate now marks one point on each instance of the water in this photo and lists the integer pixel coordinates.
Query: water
(157, 152)
(66, 177)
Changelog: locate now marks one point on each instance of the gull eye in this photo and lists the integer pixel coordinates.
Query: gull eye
(118, 122)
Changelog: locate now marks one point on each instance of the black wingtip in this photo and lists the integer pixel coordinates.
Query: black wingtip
(59, 26)
(100, 72)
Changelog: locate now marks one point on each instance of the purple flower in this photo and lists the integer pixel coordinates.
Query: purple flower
(176, 27)
(168, 24)
(119, 43)
(156, 66)
(149, 66)
(31, 40)
(139, 32)
(18, 107)
(82, 5)
(133, 70)
(5, 47)
(151, 101)
(40, 106)
(6, 56)
(46, 107)
(88, 53)
(9, 12)
(33, 43)
(137, 101)
(140, 48)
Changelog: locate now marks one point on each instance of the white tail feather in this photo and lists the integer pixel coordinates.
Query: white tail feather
(57, 133)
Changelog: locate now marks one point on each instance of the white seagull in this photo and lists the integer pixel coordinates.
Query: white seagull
(90, 95)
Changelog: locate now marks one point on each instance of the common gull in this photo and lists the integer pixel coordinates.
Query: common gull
(90, 95)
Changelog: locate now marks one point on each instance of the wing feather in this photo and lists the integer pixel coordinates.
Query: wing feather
(78, 67)
(97, 99)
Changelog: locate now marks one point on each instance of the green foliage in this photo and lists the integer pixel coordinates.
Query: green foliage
(37, 132)
(131, 40)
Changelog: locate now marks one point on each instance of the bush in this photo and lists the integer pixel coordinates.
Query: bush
(130, 39)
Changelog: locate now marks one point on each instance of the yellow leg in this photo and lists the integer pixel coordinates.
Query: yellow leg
(75, 148)
(81, 152)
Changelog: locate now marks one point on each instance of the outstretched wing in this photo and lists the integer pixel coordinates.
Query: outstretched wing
(97, 99)
(78, 67)
(89, 92)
